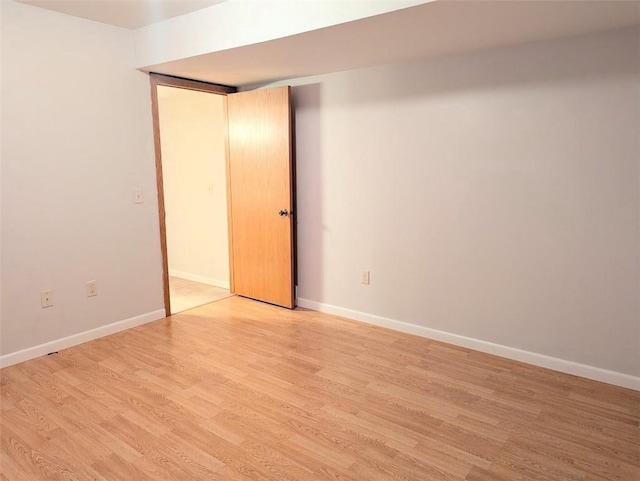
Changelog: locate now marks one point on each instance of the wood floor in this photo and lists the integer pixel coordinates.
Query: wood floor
(242, 390)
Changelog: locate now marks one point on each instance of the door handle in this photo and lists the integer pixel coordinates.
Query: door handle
(283, 213)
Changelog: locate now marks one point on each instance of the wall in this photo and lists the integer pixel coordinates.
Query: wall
(192, 128)
(494, 197)
(76, 143)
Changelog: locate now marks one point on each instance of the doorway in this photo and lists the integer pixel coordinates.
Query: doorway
(192, 127)
(258, 149)
(192, 130)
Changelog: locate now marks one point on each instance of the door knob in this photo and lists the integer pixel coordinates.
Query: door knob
(283, 213)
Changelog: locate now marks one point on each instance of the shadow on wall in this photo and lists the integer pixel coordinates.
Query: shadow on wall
(476, 71)
(493, 195)
(306, 102)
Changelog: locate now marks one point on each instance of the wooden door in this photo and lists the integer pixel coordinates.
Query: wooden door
(261, 195)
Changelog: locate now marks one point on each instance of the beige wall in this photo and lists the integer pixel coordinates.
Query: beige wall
(76, 144)
(193, 161)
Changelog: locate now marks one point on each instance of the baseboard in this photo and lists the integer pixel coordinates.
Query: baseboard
(75, 339)
(201, 279)
(541, 360)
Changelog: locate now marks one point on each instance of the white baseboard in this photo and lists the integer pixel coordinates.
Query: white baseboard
(75, 339)
(541, 360)
(201, 279)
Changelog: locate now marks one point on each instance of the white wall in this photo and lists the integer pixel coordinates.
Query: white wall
(192, 127)
(493, 196)
(76, 143)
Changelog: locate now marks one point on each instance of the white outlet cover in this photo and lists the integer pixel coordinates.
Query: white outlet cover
(92, 288)
(46, 299)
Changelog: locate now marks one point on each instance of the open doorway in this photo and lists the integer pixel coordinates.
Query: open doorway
(192, 128)
(258, 149)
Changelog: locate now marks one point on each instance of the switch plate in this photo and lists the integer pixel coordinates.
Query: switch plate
(139, 198)
(364, 277)
(46, 299)
(92, 288)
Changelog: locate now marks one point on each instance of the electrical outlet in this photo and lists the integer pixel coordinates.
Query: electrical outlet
(92, 288)
(364, 277)
(139, 198)
(46, 299)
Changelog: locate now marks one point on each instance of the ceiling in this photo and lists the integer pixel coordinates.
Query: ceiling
(431, 29)
(428, 30)
(130, 14)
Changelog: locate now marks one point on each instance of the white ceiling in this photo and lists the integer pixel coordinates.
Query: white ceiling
(428, 30)
(130, 14)
(432, 29)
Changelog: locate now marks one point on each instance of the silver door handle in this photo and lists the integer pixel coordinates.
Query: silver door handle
(283, 213)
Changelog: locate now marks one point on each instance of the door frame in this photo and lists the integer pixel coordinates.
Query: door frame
(178, 82)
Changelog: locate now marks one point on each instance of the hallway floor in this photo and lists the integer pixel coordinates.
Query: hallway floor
(186, 294)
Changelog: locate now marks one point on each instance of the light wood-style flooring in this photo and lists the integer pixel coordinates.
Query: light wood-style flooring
(239, 390)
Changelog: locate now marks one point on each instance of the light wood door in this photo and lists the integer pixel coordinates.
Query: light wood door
(261, 195)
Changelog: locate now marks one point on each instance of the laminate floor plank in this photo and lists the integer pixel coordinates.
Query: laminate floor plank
(241, 390)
